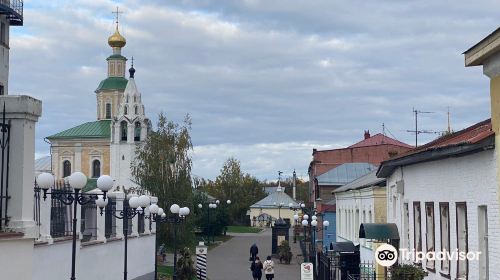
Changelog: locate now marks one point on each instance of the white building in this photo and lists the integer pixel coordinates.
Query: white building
(444, 197)
(361, 201)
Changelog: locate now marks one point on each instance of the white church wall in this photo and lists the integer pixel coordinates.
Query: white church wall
(102, 261)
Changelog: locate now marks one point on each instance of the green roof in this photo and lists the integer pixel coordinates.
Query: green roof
(97, 129)
(112, 83)
(91, 184)
(116, 56)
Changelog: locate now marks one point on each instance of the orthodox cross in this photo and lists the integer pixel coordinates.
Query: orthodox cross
(117, 12)
(132, 59)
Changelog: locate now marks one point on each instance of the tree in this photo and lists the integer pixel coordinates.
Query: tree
(232, 184)
(163, 168)
(185, 265)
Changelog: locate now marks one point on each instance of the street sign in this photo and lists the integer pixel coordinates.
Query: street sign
(201, 250)
(306, 271)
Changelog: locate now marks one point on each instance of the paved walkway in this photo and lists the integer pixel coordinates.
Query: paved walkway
(229, 261)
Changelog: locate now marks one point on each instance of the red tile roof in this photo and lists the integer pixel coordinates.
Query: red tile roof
(379, 139)
(470, 135)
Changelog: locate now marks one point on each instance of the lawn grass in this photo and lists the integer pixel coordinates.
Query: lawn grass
(165, 270)
(243, 229)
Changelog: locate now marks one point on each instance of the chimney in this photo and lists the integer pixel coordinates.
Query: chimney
(367, 134)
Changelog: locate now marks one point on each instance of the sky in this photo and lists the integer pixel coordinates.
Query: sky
(264, 81)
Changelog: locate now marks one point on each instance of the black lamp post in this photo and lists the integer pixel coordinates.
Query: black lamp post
(178, 216)
(77, 181)
(134, 206)
(214, 206)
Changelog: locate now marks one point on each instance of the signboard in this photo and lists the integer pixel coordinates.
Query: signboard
(306, 271)
(201, 250)
(281, 238)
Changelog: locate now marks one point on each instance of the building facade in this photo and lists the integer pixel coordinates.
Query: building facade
(443, 197)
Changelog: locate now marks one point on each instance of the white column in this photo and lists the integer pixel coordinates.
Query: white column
(101, 225)
(45, 210)
(120, 196)
(23, 112)
(135, 226)
(78, 159)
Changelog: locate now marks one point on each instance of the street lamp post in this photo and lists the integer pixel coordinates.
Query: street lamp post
(211, 206)
(136, 205)
(77, 181)
(312, 226)
(159, 216)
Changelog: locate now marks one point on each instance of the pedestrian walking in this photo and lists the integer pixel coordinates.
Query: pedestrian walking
(254, 250)
(256, 269)
(269, 268)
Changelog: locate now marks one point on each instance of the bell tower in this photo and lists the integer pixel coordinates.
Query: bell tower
(109, 93)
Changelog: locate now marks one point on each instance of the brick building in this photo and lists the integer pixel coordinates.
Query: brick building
(372, 149)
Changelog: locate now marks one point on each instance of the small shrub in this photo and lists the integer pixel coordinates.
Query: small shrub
(185, 265)
(408, 272)
(284, 252)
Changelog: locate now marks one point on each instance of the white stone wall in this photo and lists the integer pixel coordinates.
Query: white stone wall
(354, 208)
(471, 179)
(4, 56)
(102, 261)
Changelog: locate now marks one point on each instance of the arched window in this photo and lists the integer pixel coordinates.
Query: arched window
(96, 168)
(135, 109)
(135, 98)
(123, 130)
(108, 110)
(66, 168)
(137, 131)
(126, 110)
(127, 98)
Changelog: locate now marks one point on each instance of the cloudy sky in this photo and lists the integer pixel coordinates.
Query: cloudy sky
(264, 81)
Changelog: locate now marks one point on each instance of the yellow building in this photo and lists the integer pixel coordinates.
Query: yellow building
(276, 205)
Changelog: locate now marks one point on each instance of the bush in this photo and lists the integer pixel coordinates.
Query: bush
(185, 265)
(284, 252)
(408, 272)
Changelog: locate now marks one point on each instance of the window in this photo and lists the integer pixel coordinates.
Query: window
(96, 168)
(2, 90)
(125, 110)
(137, 131)
(126, 98)
(483, 242)
(406, 225)
(444, 213)
(429, 233)
(66, 168)
(417, 227)
(136, 110)
(123, 130)
(462, 236)
(108, 110)
(135, 98)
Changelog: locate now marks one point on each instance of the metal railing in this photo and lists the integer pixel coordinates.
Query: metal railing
(61, 215)
(13, 9)
(140, 223)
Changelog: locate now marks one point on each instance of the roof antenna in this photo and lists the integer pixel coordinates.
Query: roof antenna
(449, 124)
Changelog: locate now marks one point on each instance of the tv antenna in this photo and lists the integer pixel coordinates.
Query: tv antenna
(416, 131)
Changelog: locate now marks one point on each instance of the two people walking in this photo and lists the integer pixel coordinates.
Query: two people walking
(257, 266)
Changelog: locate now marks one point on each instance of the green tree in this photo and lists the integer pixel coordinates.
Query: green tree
(185, 265)
(163, 168)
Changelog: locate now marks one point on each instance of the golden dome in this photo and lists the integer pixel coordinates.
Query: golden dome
(117, 40)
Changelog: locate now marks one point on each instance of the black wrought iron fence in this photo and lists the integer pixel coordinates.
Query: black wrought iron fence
(110, 220)
(5, 127)
(88, 226)
(328, 266)
(140, 223)
(61, 215)
(128, 230)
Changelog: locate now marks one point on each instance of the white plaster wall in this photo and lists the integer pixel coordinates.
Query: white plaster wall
(350, 201)
(102, 261)
(16, 258)
(4, 57)
(471, 179)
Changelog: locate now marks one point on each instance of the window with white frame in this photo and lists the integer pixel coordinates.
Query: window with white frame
(429, 233)
(444, 221)
(417, 227)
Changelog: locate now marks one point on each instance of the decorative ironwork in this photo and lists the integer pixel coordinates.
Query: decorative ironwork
(60, 214)
(5, 127)
(13, 9)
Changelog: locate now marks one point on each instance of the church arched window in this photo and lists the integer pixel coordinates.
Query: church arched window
(136, 109)
(125, 110)
(123, 130)
(96, 168)
(137, 131)
(108, 110)
(135, 98)
(127, 98)
(66, 168)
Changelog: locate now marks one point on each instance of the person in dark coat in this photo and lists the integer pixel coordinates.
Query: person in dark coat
(256, 269)
(254, 250)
